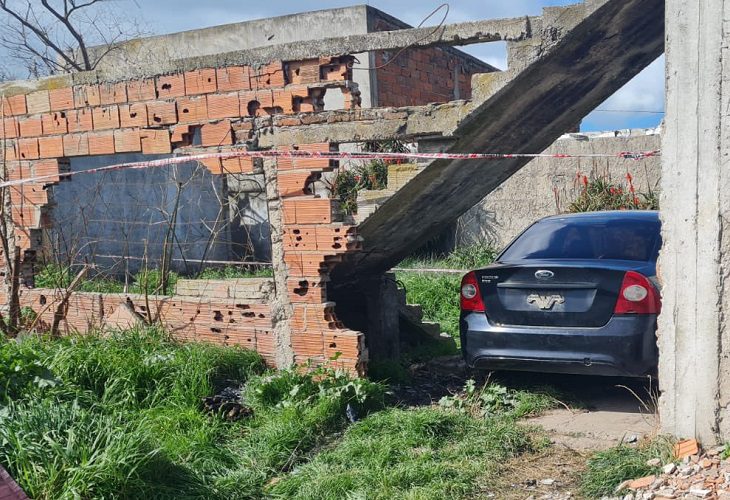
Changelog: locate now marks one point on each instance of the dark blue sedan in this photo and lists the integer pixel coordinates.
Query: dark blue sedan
(572, 294)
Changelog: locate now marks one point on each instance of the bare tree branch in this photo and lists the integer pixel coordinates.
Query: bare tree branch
(42, 36)
(51, 36)
(66, 21)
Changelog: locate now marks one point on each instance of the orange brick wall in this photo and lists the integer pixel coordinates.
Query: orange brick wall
(162, 114)
(315, 240)
(219, 321)
(417, 77)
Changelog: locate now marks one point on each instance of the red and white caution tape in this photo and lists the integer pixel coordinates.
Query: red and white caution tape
(224, 155)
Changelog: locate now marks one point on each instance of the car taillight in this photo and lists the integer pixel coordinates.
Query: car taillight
(471, 298)
(637, 296)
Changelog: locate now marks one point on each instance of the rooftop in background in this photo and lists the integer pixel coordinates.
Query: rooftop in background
(313, 26)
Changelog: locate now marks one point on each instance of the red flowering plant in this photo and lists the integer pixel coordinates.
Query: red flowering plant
(600, 193)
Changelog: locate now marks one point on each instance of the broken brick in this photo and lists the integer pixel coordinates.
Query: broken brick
(161, 113)
(216, 134)
(241, 165)
(686, 448)
(295, 183)
(202, 81)
(213, 165)
(181, 134)
(156, 141)
(303, 72)
(133, 115)
(170, 86)
(640, 483)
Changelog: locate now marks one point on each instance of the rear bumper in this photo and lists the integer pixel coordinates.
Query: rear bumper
(625, 346)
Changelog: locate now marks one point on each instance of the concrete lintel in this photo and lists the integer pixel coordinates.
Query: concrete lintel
(457, 34)
(346, 126)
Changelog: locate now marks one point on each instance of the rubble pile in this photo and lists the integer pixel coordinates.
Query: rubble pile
(695, 474)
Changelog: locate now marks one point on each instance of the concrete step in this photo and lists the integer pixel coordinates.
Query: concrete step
(415, 311)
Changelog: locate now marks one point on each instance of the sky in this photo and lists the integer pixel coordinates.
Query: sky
(639, 104)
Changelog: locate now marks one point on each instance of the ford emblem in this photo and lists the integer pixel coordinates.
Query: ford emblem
(544, 274)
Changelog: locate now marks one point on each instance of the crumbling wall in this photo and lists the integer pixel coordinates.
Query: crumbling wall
(413, 77)
(48, 121)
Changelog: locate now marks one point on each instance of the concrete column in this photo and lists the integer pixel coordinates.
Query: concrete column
(281, 306)
(694, 369)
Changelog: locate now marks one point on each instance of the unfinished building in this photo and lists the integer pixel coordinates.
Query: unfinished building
(328, 300)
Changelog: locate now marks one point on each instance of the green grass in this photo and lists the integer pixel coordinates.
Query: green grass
(120, 416)
(463, 258)
(424, 454)
(438, 294)
(491, 399)
(608, 469)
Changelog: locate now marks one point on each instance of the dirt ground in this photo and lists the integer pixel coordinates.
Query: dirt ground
(596, 413)
(551, 474)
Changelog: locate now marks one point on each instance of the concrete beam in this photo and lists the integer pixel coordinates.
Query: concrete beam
(457, 34)
(591, 62)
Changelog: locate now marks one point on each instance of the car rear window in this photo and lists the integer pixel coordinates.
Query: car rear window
(627, 239)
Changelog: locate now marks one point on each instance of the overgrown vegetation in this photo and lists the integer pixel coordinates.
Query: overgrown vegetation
(600, 193)
(462, 258)
(608, 469)
(120, 416)
(492, 399)
(424, 454)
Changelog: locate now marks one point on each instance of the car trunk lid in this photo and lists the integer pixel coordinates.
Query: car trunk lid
(550, 295)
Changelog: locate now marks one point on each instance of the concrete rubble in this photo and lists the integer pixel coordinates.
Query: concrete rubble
(695, 474)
